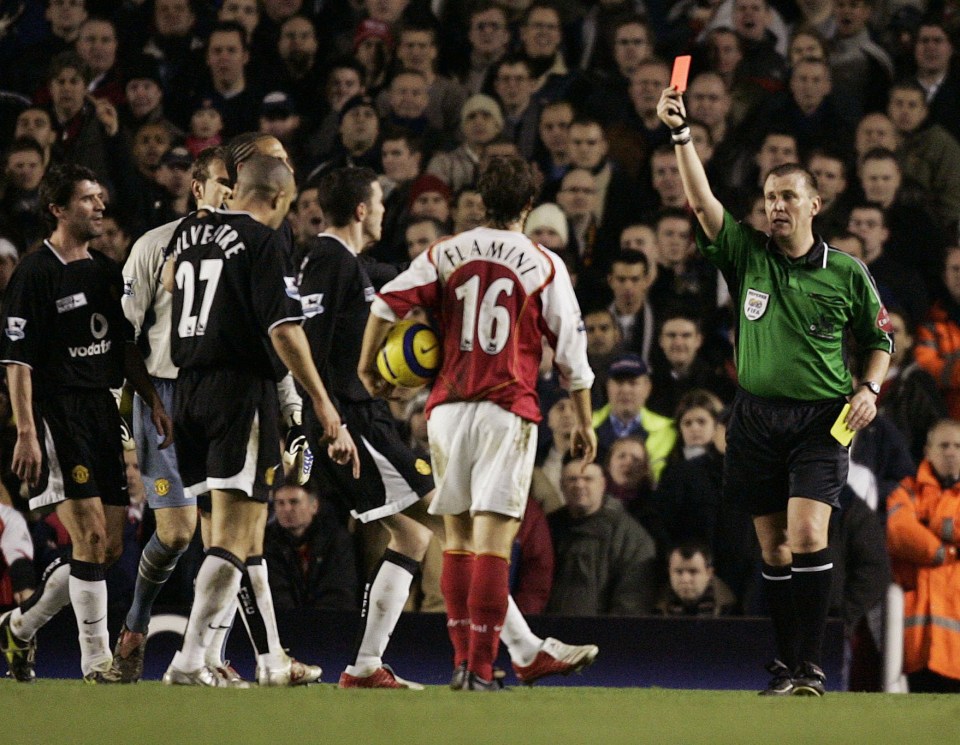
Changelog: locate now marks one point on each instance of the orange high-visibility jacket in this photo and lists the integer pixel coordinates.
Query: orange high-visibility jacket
(937, 350)
(923, 530)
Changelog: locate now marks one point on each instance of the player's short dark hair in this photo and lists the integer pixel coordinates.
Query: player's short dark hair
(507, 187)
(631, 257)
(227, 27)
(341, 190)
(689, 549)
(69, 60)
(207, 157)
(58, 186)
(786, 169)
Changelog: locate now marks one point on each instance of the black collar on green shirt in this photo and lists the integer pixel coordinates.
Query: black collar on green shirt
(816, 256)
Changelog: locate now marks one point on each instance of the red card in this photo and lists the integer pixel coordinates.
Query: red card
(681, 69)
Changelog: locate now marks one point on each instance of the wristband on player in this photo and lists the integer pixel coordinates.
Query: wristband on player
(680, 135)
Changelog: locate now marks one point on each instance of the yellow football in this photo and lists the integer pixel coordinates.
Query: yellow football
(410, 356)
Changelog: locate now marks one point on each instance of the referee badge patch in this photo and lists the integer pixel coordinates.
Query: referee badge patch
(756, 304)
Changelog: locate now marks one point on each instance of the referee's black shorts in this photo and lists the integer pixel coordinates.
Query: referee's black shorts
(782, 448)
(82, 456)
(226, 431)
(392, 477)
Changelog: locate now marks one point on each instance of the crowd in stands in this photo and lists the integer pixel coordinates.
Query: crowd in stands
(866, 93)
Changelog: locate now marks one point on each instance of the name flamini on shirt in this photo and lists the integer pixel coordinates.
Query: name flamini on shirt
(518, 258)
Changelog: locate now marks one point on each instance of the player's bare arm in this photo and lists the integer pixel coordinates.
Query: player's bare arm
(290, 343)
(26, 453)
(702, 201)
(583, 440)
(136, 373)
(863, 402)
(374, 336)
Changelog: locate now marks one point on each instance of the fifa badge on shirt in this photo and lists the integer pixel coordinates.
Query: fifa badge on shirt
(755, 304)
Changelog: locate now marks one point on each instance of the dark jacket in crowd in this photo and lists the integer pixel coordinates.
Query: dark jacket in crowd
(317, 571)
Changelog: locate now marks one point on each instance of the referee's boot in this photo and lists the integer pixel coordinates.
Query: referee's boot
(782, 683)
(19, 654)
(809, 680)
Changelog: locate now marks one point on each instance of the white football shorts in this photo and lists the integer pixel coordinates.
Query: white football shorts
(482, 459)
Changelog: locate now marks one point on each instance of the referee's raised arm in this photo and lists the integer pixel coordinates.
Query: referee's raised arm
(705, 205)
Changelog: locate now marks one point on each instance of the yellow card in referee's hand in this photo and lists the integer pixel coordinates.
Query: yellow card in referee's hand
(840, 431)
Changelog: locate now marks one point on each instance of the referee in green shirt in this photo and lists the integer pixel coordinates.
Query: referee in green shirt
(796, 299)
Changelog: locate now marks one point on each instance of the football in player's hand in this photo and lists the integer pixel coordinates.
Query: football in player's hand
(410, 356)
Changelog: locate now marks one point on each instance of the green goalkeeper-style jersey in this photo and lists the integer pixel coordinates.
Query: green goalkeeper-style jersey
(793, 313)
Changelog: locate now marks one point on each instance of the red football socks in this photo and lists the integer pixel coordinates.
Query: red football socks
(487, 603)
(455, 585)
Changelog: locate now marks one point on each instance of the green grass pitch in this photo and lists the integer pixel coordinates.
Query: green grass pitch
(61, 712)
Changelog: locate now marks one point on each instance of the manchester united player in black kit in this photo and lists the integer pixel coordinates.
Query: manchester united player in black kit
(233, 324)
(66, 343)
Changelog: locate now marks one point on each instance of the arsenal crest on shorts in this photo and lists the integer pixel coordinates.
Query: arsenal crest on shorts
(755, 304)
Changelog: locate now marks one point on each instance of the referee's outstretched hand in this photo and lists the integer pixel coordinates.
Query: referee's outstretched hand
(670, 109)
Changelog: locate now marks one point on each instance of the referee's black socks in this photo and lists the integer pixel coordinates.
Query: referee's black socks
(812, 583)
(778, 588)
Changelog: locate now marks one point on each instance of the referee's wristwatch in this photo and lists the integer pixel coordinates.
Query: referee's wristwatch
(874, 387)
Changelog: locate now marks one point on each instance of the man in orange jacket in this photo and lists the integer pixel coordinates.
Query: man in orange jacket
(923, 533)
(938, 340)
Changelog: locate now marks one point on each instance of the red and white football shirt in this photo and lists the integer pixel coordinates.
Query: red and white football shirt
(495, 294)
